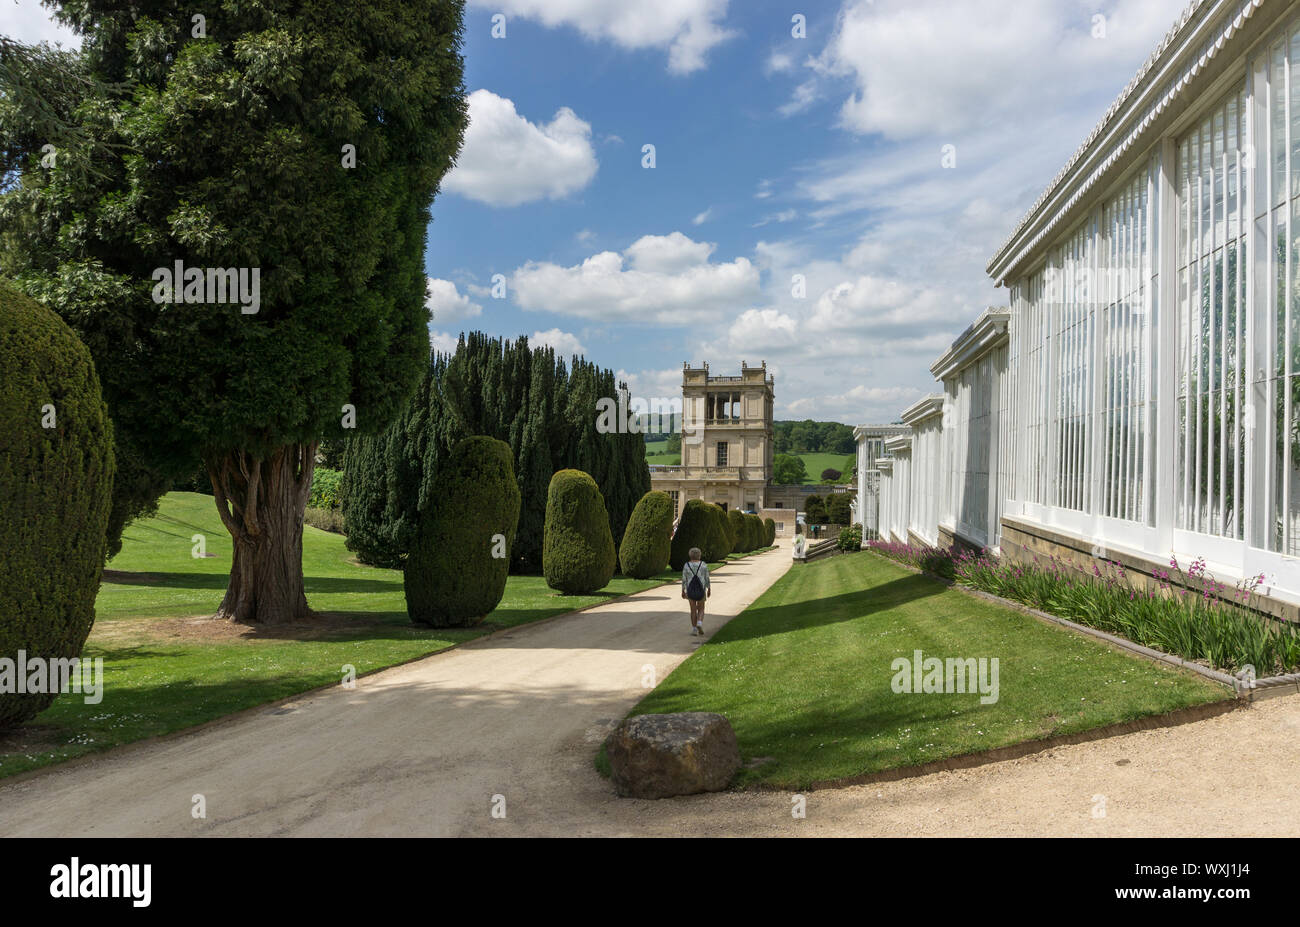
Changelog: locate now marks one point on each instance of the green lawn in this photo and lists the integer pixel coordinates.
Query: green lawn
(804, 675)
(656, 453)
(164, 670)
(816, 463)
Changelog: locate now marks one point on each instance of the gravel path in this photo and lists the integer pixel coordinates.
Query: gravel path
(422, 749)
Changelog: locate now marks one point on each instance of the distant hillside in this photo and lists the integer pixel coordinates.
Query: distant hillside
(809, 437)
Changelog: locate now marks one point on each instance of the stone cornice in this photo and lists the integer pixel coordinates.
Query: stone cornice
(984, 334)
(899, 443)
(922, 409)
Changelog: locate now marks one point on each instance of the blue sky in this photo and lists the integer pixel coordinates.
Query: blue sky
(776, 156)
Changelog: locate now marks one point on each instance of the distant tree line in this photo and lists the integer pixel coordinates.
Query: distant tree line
(543, 408)
(809, 437)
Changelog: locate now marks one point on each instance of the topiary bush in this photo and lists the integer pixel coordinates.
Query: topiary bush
(769, 531)
(721, 540)
(839, 508)
(738, 531)
(455, 572)
(757, 534)
(56, 484)
(693, 530)
(578, 555)
(648, 538)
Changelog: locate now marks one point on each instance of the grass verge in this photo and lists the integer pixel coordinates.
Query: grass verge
(168, 666)
(804, 675)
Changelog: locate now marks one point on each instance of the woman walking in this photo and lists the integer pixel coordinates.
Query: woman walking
(695, 588)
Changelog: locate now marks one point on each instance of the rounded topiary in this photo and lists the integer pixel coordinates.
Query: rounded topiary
(455, 572)
(739, 532)
(693, 530)
(56, 483)
(720, 541)
(769, 528)
(578, 554)
(648, 537)
(757, 534)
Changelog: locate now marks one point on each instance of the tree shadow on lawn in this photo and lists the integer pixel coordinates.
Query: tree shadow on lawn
(170, 521)
(763, 620)
(507, 714)
(312, 584)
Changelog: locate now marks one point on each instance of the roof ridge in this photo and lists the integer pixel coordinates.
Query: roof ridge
(1179, 25)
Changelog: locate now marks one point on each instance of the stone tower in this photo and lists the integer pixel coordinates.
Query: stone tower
(727, 445)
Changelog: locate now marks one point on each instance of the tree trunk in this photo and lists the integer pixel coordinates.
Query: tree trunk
(261, 503)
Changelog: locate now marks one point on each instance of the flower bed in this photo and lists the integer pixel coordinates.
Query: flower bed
(1215, 626)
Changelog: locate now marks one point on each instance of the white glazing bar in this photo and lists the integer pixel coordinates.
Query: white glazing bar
(1287, 295)
(1183, 329)
(1224, 368)
(1121, 359)
(1210, 345)
(1194, 338)
(1127, 395)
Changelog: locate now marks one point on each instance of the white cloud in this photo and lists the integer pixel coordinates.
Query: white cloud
(652, 384)
(880, 306)
(804, 96)
(27, 21)
(703, 217)
(564, 343)
(447, 304)
(667, 254)
(933, 67)
(784, 215)
(779, 62)
(585, 235)
(861, 405)
(507, 160)
(659, 279)
(443, 341)
(688, 29)
(760, 329)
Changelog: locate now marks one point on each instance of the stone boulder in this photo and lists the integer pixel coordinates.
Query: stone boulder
(655, 756)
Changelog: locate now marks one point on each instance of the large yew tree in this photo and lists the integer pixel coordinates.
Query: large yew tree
(228, 142)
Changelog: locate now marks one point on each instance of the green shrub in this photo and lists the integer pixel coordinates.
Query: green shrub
(850, 538)
(325, 519)
(738, 530)
(648, 538)
(455, 572)
(325, 488)
(578, 556)
(757, 533)
(692, 531)
(815, 508)
(721, 540)
(839, 509)
(769, 531)
(56, 484)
